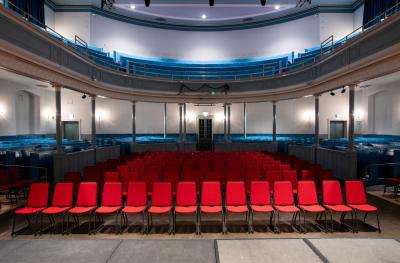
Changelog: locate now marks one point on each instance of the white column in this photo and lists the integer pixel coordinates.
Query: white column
(245, 120)
(165, 120)
(93, 100)
(58, 118)
(351, 116)
(229, 121)
(274, 121)
(133, 122)
(184, 122)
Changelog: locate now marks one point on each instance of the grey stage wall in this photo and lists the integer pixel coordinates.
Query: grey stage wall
(342, 163)
(223, 147)
(76, 162)
(164, 147)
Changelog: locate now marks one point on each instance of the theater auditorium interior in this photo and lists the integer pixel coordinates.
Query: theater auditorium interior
(199, 131)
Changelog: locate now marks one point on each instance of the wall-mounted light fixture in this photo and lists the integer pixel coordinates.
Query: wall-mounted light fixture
(359, 114)
(48, 114)
(3, 110)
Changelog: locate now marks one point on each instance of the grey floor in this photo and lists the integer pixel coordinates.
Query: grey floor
(223, 251)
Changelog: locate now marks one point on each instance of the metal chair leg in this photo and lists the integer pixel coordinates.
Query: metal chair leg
(13, 225)
(377, 220)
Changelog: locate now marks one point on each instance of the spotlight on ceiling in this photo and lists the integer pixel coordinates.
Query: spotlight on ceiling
(263, 2)
(84, 96)
(300, 3)
(343, 90)
(132, 6)
(332, 93)
(107, 3)
(147, 3)
(211, 2)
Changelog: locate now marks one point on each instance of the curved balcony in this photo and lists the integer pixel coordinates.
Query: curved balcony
(366, 53)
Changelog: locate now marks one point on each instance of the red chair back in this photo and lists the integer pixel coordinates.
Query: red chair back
(162, 194)
(190, 176)
(38, 195)
(291, 176)
(122, 170)
(272, 177)
(307, 193)
(235, 193)
(186, 194)
(75, 178)
(111, 177)
(130, 177)
(173, 178)
(112, 194)
(283, 193)
(87, 194)
(213, 177)
(234, 175)
(260, 193)
(211, 194)
(355, 192)
(332, 193)
(63, 194)
(137, 194)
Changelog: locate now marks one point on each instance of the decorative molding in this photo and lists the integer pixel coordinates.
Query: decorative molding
(239, 26)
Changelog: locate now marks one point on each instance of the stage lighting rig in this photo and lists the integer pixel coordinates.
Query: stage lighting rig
(263, 2)
(107, 3)
(300, 3)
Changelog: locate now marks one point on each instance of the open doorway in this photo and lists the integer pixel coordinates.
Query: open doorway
(71, 130)
(337, 129)
(205, 134)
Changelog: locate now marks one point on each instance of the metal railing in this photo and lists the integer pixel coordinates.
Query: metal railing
(269, 69)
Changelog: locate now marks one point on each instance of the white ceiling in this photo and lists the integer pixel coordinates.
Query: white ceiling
(189, 12)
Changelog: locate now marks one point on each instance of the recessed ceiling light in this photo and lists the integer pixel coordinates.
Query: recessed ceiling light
(203, 16)
(277, 7)
(132, 6)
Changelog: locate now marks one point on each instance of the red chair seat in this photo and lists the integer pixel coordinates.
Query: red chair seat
(29, 210)
(211, 209)
(159, 209)
(364, 208)
(107, 209)
(287, 208)
(338, 208)
(262, 208)
(186, 209)
(312, 208)
(81, 209)
(237, 209)
(133, 209)
(54, 210)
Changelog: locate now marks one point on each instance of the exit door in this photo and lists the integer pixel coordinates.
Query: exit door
(71, 130)
(337, 129)
(205, 134)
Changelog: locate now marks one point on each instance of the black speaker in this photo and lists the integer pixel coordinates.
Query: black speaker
(147, 3)
(211, 2)
(263, 2)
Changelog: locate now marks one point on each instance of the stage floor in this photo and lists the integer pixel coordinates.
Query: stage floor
(201, 251)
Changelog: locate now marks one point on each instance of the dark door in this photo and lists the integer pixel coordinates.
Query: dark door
(71, 130)
(337, 129)
(205, 134)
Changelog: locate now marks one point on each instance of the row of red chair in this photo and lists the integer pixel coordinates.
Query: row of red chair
(186, 202)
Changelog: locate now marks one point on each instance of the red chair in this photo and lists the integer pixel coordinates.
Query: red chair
(173, 178)
(234, 175)
(325, 175)
(122, 170)
(271, 177)
(128, 178)
(5, 187)
(284, 201)
(151, 177)
(61, 203)
(136, 203)
(161, 203)
(213, 177)
(284, 167)
(291, 176)
(333, 202)
(86, 203)
(309, 175)
(111, 202)
(356, 199)
(211, 201)
(75, 179)
(260, 200)
(252, 175)
(37, 202)
(307, 201)
(186, 202)
(111, 177)
(235, 200)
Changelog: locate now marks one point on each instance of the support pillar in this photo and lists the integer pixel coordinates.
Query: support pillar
(245, 120)
(351, 116)
(165, 120)
(274, 121)
(133, 122)
(316, 130)
(229, 121)
(58, 119)
(180, 121)
(225, 134)
(184, 122)
(93, 100)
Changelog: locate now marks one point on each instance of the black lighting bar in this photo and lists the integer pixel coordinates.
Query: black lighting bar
(147, 3)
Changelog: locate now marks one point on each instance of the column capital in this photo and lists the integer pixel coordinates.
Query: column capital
(93, 97)
(56, 85)
(134, 101)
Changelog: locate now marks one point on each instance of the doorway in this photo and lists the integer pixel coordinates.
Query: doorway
(205, 134)
(337, 129)
(71, 130)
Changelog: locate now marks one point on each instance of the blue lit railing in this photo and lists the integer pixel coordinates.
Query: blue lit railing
(209, 71)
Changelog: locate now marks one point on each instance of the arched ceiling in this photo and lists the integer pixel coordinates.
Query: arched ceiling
(198, 13)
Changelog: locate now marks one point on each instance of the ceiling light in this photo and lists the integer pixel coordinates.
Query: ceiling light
(277, 7)
(332, 93)
(132, 6)
(203, 16)
(101, 96)
(84, 96)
